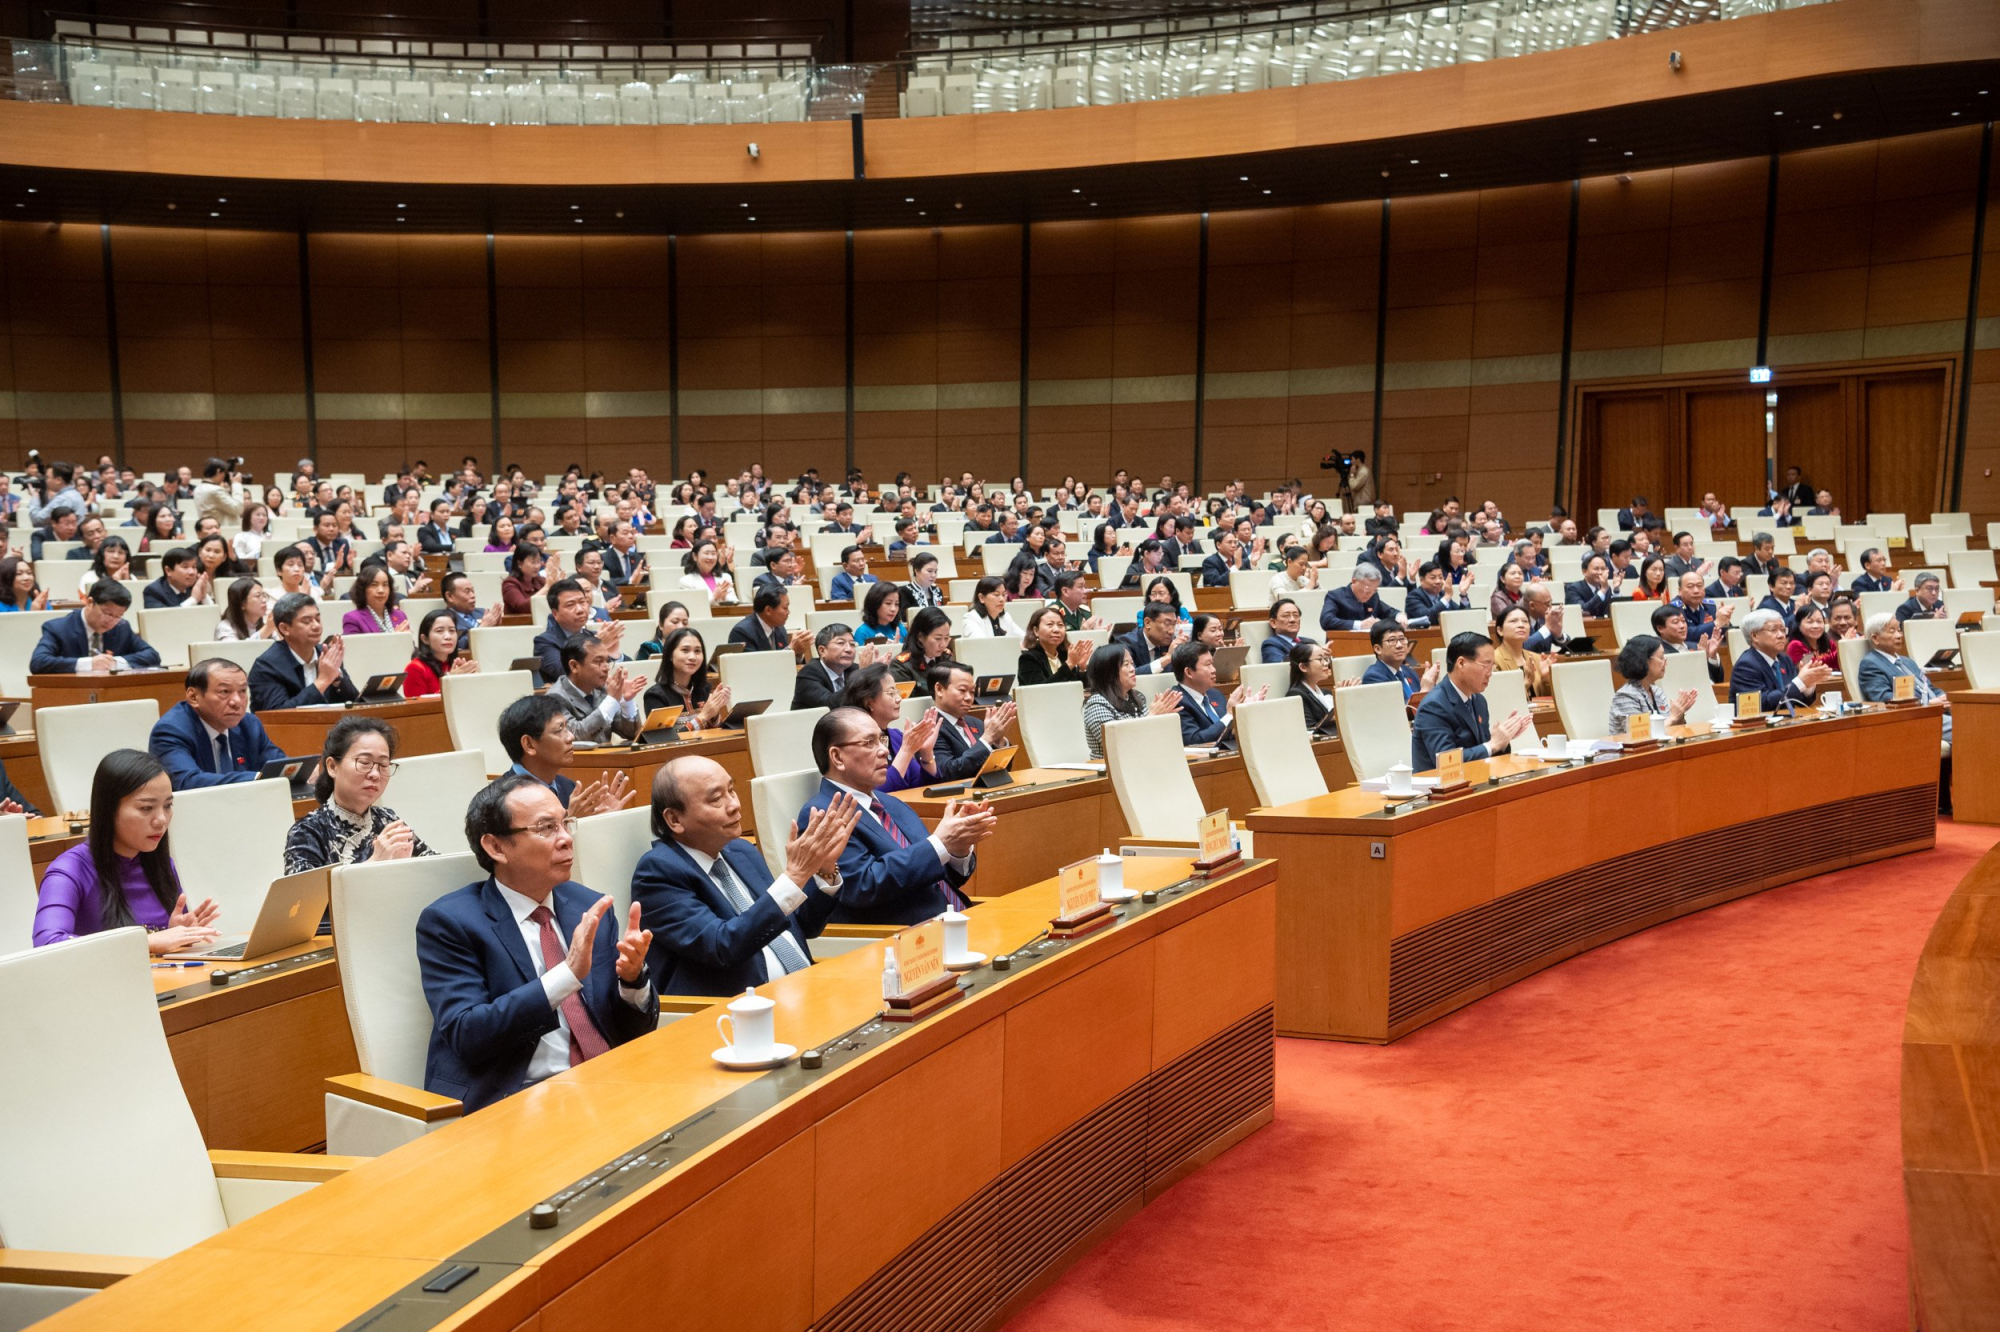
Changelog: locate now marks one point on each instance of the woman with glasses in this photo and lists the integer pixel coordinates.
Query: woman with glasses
(350, 826)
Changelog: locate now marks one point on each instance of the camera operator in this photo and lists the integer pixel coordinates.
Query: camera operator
(219, 493)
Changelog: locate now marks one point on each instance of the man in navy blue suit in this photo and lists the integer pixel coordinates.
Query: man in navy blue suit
(522, 981)
(1284, 636)
(1453, 715)
(895, 871)
(1767, 671)
(1152, 641)
(94, 637)
(1358, 605)
(720, 922)
(962, 744)
(299, 670)
(209, 738)
(1207, 716)
(534, 730)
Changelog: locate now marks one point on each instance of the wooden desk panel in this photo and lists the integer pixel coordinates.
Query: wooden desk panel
(22, 756)
(419, 724)
(163, 687)
(643, 762)
(889, 1166)
(1389, 921)
(1975, 747)
(1951, 1110)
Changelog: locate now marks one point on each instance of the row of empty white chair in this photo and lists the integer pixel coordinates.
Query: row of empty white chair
(444, 101)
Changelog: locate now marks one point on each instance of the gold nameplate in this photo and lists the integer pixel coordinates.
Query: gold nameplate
(1076, 889)
(1213, 834)
(1905, 689)
(1449, 761)
(1639, 726)
(920, 955)
(1749, 705)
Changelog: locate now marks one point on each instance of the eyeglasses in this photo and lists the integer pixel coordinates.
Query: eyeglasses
(547, 829)
(878, 742)
(368, 766)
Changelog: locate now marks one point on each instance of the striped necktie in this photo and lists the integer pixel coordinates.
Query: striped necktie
(952, 897)
(585, 1040)
(790, 956)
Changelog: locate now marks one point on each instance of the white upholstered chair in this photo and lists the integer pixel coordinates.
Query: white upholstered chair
(753, 675)
(74, 739)
(1277, 752)
(776, 801)
(1050, 717)
(229, 844)
(1149, 773)
(781, 741)
(1374, 727)
(430, 792)
(472, 708)
(17, 886)
(1583, 697)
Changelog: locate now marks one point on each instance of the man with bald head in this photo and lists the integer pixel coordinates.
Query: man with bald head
(720, 922)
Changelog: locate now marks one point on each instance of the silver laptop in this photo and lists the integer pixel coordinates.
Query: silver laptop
(293, 907)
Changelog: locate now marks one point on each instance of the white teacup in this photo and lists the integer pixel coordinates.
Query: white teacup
(1829, 699)
(1556, 747)
(1401, 780)
(753, 1026)
(1657, 726)
(1111, 879)
(957, 929)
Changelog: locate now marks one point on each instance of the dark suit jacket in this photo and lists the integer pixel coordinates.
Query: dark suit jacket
(751, 633)
(277, 681)
(1773, 684)
(813, 689)
(67, 639)
(618, 568)
(1215, 571)
(1315, 710)
(1595, 601)
(180, 742)
(1342, 611)
(488, 1008)
(1275, 648)
(1870, 583)
(1146, 657)
(434, 540)
(1033, 669)
(886, 884)
(1203, 721)
(1420, 608)
(1446, 721)
(8, 791)
(161, 595)
(702, 944)
(1409, 677)
(1877, 678)
(1911, 609)
(958, 755)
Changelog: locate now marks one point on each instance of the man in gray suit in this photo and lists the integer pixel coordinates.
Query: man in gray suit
(1884, 661)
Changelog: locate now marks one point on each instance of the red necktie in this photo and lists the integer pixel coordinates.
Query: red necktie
(971, 731)
(585, 1041)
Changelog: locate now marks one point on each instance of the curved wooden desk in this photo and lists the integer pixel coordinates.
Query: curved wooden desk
(419, 723)
(935, 1177)
(1389, 921)
(1951, 1112)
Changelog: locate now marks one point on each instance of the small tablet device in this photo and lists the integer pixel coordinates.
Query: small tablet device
(993, 772)
(742, 712)
(297, 771)
(659, 726)
(384, 688)
(991, 689)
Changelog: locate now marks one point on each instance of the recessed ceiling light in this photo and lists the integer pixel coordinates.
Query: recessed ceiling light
(1815, 127)
(619, 213)
(171, 207)
(402, 205)
(1777, 113)
(31, 189)
(1075, 191)
(215, 215)
(753, 217)
(1591, 141)
(922, 213)
(1244, 179)
(402, 219)
(1267, 191)
(1443, 174)
(1093, 203)
(577, 220)
(576, 208)
(1628, 152)
(743, 205)
(1957, 113)
(1413, 161)
(906, 199)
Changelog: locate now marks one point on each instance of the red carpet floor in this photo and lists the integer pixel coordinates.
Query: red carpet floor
(1693, 1128)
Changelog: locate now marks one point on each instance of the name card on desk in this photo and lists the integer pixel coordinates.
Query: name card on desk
(1749, 705)
(1213, 834)
(1904, 688)
(1076, 889)
(1639, 726)
(1449, 761)
(920, 955)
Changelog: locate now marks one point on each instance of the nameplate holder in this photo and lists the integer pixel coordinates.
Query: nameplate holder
(1638, 737)
(1447, 790)
(1079, 908)
(914, 1004)
(927, 984)
(1217, 847)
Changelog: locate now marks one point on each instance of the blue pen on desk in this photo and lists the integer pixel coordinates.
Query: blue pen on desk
(158, 965)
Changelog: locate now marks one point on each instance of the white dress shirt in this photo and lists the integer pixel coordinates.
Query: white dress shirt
(559, 982)
(963, 864)
(786, 891)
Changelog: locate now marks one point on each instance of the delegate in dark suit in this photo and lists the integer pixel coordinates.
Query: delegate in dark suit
(1342, 610)
(1204, 718)
(180, 742)
(1146, 657)
(1215, 571)
(1315, 710)
(1422, 609)
(66, 640)
(958, 753)
(701, 943)
(9, 791)
(278, 681)
(756, 636)
(814, 688)
(488, 1008)
(1380, 672)
(1595, 601)
(1773, 680)
(1445, 720)
(1275, 649)
(884, 883)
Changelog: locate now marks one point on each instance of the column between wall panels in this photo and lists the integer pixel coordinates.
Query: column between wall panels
(1770, 250)
(1971, 314)
(111, 340)
(306, 344)
(1200, 349)
(1381, 337)
(1027, 257)
(493, 345)
(847, 301)
(673, 356)
(1568, 336)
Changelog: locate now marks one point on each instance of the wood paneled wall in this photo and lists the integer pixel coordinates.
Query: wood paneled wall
(606, 350)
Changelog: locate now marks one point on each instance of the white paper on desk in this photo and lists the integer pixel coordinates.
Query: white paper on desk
(1092, 765)
(1382, 783)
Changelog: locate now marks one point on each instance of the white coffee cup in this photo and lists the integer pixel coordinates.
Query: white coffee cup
(753, 1026)
(1401, 780)
(1111, 879)
(1657, 726)
(957, 926)
(1829, 699)
(1556, 747)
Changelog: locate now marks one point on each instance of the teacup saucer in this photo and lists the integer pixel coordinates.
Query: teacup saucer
(779, 1056)
(1116, 894)
(966, 963)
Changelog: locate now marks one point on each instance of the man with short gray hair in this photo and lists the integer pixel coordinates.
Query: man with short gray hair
(1765, 669)
(1926, 601)
(1358, 605)
(1884, 661)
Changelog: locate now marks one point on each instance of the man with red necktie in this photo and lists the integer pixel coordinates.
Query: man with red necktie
(962, 744)
(894, 871)
(524, 976)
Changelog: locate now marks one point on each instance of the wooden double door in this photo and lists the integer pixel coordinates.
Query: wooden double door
(1876, 439)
